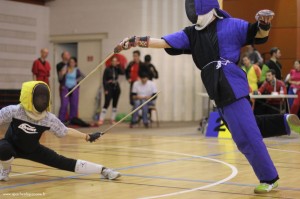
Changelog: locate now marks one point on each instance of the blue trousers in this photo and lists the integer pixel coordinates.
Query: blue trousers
(245, 133)
(145, 110)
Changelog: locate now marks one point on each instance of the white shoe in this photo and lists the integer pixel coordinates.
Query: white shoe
(4, 174)
(110, 174)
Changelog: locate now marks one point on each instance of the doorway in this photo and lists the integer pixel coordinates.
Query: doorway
(88, 49)
(58, 49)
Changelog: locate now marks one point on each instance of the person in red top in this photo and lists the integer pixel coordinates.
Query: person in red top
(294, 81)
(272, 86)
(132, 71)
(41, 67)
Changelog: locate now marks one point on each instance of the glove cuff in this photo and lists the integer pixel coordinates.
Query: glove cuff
(143, 42)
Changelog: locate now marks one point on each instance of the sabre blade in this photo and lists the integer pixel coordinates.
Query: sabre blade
(132, 112)
(94, 70)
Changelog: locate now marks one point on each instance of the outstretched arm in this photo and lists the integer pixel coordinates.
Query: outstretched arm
(143, 42)
(158, 43)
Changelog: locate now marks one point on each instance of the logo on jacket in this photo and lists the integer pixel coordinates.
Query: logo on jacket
(27, 128)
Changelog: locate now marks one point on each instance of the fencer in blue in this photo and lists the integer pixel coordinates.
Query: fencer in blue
(216, 51)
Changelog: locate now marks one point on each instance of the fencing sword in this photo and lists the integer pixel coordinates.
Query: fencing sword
(132, 112)
(95, 69)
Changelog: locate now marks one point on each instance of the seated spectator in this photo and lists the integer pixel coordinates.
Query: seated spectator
(142, 90)
(253, 73)
(272, 86)
(264, 70)
(70, 79)
(294, 89)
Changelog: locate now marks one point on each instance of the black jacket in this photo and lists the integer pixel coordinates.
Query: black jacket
(110, 76)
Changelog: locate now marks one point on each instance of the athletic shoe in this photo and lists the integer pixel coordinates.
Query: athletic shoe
(293, 122)
(112, 121)
(4, 174)
(110, 174)
(265, 188)
(131, 125)
(100, 122)
(146, 125)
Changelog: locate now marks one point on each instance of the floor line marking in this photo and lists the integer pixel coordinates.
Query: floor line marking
(234, 171)
(26, 173)
(284, 150)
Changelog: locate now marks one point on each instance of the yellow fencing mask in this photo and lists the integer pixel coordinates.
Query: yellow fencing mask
(35, 95)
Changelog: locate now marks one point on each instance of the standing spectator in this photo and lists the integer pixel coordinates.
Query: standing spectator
(273, 62)
(61, 67)
(142, 90)
(253, 73)
(254, 55)
(69, 81)
(41, 67)
(256, 58)
(112, 89)
(264, 70)
(132, 71)
(272, 86)
(150, 68)
(294, 80)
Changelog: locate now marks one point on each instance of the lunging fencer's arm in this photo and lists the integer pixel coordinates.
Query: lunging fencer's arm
(143, 42)
(92, 137)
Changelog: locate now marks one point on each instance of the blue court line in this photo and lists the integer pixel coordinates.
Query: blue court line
(124, 168)
(129, 167)
(76, 176)
(205, 181)
(41, 182)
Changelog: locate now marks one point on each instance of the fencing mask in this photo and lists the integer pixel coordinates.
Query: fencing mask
(40, 97)
(195, 8)
(35, 96)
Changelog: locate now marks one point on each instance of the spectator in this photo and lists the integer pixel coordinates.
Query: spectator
(254, 55)
(111, 89)
(253, 73)
(264, 70)
(273, 62)
(132, 71)
(272, 86)
(68, 82)
(291, 81)
(41, 67)
(150, 68)
(142, 90)
(61, 67)
(294, 81)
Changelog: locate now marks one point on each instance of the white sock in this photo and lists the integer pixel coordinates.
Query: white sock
(6, 164)
(103, 113)
(113, 113)
(86, 167)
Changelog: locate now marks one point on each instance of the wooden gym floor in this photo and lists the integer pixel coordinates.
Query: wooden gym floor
(173, 161)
